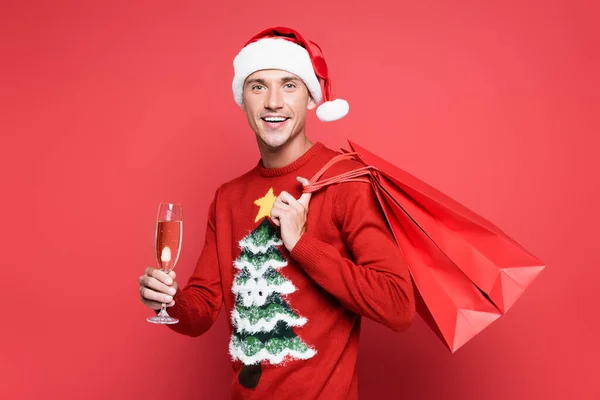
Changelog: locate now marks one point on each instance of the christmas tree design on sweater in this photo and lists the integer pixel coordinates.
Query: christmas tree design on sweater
(262, 319)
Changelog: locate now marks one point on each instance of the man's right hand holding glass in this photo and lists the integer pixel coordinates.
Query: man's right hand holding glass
(157, 287)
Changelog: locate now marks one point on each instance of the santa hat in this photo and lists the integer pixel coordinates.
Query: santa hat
(285, 49)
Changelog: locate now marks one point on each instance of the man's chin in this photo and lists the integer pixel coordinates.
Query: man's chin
(274, 140)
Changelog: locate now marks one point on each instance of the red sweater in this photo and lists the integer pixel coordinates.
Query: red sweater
(294, 318)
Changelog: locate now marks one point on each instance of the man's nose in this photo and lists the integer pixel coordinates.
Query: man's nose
(274, 100)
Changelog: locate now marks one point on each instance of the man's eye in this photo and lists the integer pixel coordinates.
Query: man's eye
(257, 87)
(290, 85)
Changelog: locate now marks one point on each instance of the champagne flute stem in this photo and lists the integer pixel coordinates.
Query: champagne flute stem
(163, 306)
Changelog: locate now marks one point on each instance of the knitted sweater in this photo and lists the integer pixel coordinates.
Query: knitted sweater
(294, 318)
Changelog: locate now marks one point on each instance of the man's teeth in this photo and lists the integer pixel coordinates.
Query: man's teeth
(274, 119)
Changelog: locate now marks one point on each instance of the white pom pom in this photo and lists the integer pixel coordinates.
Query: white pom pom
(333, 110)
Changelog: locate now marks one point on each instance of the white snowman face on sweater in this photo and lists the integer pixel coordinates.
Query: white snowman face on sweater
(254, 293)
(275, 103)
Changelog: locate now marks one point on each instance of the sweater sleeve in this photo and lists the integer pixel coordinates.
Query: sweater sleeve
(376, 283)
(197, 305)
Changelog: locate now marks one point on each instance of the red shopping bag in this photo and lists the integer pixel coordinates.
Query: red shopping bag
(466, 271)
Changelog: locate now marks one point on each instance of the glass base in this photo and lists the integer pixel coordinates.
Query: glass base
(163, 318)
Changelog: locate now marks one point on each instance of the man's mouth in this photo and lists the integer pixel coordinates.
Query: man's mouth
(275, 122)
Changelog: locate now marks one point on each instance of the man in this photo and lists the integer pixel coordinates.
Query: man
(295, 283)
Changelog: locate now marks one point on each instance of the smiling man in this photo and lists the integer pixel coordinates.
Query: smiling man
(276, 103)
(296, 272)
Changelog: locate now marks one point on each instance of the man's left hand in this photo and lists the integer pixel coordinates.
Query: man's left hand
(290, 215)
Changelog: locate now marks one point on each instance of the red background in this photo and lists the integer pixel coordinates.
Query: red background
(108, 108)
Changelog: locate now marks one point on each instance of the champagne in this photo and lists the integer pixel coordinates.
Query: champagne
(168, 243)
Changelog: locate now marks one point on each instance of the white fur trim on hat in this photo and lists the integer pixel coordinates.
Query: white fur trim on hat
(333, 110)
(271, 53)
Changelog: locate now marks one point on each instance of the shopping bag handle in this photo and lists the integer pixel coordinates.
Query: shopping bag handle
(350, 176)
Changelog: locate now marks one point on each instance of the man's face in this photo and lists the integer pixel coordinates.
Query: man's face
(275, 103)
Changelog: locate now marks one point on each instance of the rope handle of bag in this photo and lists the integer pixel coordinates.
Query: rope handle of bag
(349, 176)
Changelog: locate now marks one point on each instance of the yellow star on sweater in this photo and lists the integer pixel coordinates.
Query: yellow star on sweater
(265, 203)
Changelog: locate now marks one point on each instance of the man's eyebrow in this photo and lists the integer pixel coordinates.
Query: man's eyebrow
(255, 80)
(289, 78)
(283, 79)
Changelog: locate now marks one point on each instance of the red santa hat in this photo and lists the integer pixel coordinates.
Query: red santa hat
(285, 49)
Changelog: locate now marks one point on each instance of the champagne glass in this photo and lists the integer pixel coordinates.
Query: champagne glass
(167, 243)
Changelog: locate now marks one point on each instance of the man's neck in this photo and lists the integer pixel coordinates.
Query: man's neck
(286, 154)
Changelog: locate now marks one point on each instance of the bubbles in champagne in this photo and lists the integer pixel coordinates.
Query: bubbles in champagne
(168, 243)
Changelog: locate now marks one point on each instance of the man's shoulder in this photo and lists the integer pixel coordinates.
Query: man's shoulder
(240, 180)
(236, 185)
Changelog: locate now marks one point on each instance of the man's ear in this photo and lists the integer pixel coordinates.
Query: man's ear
(311, 103)
(243, 106)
